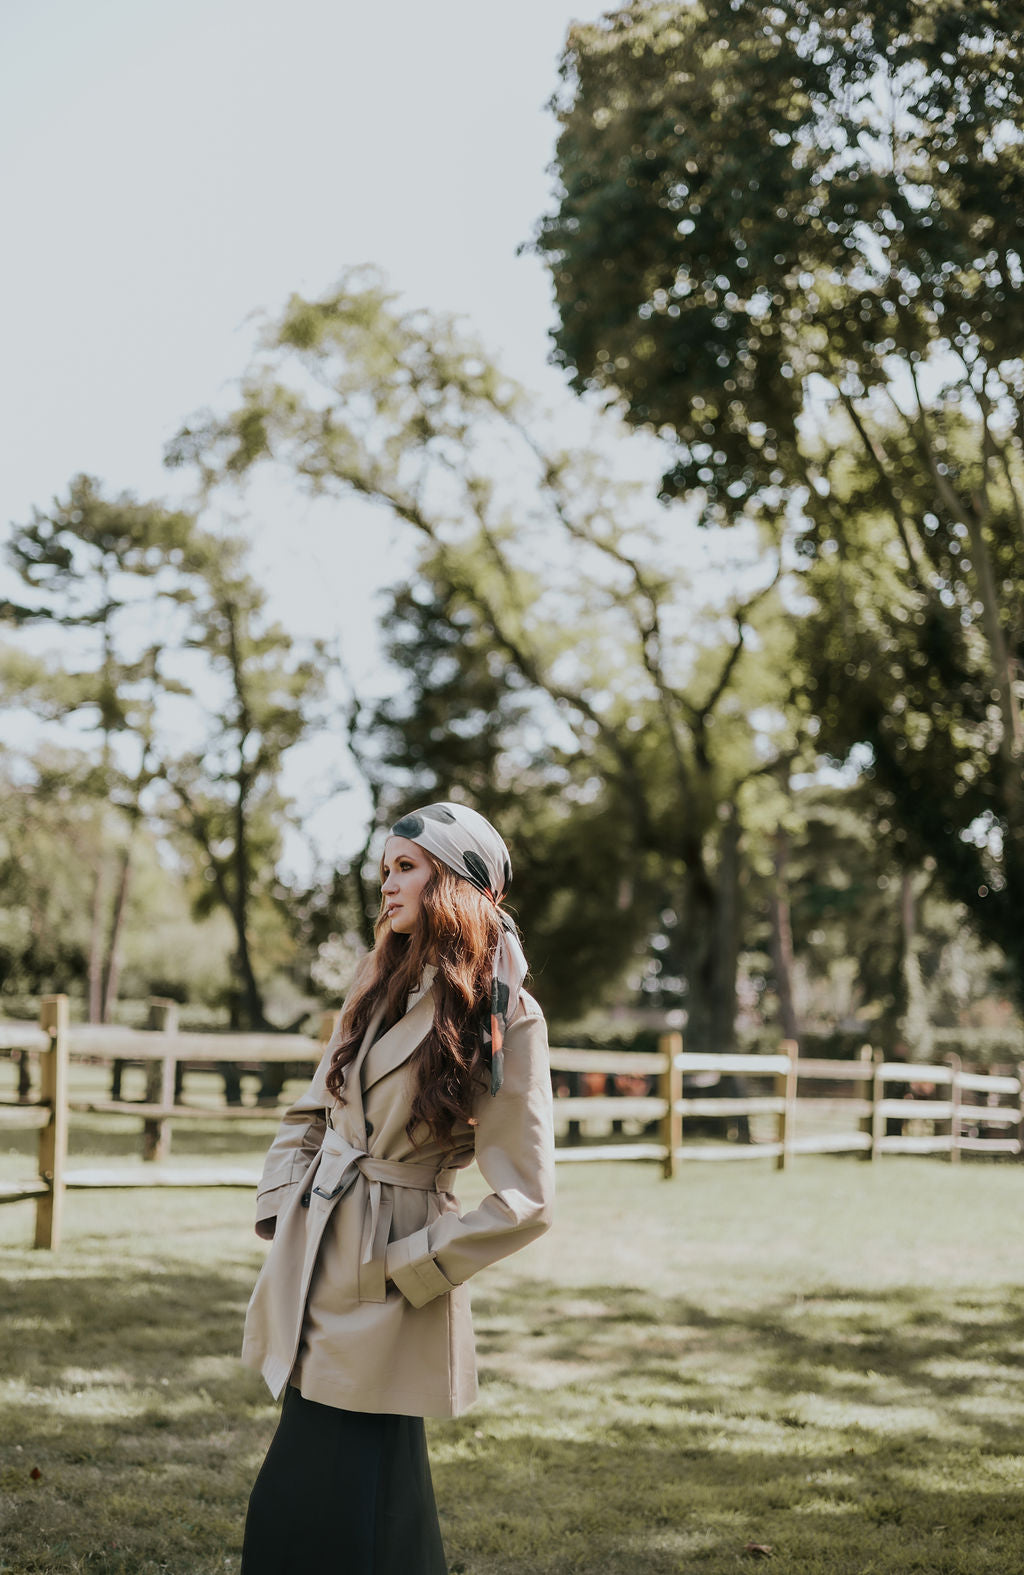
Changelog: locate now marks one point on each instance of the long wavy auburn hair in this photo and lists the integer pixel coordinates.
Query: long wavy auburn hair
(458, 931)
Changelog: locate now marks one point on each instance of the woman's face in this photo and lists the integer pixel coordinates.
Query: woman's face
(405, 870)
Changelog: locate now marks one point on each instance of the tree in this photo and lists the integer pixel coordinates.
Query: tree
(101, 570)
(168, 655)
(224, 791)
(832, 331)
(50, 830)
(468, 723)
(564, 580)
(903, 666)
(875, 940)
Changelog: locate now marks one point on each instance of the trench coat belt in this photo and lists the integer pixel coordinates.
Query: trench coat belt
(340, 1163)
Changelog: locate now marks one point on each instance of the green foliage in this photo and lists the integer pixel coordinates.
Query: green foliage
(555, 602)
(905, 666)
(92, 565)
(223, 794)
(162, 634)
(829, 334)
(103, 574)
(468, 724)
(856, 940)
(51, 842)
(48, 847)
(882, 216)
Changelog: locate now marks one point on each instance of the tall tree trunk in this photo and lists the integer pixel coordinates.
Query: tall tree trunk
(96, 933)
(367, 904)
(726, 935)
(710, 942)
(912, 1023)
(711, 931)
(97, 930)
(697, 916)
(782, 937)
(112, 960)
(251, 994)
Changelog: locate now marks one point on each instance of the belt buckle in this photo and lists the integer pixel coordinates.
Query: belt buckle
(343, 1185)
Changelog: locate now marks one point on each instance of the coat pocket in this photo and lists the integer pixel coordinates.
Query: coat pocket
(413, 1208)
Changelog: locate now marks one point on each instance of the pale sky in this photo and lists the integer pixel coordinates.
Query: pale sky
(169, 169)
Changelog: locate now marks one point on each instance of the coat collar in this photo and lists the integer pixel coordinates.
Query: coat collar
(378, 1057)
(353, 1100)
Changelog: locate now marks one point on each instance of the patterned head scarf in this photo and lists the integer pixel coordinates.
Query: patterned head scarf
(469, 845)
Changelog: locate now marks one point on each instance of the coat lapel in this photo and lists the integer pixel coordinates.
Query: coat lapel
(398, 1044)
(352, 1087)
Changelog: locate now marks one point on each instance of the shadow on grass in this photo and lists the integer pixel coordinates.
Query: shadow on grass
(147, 1323)
(850, 1433)
(130, 1434)
(619, 1431)
(841, 1343)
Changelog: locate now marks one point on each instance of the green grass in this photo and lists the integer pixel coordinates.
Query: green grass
(829, 1362)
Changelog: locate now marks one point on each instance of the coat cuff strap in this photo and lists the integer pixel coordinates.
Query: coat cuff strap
(411, 1265)
(270, 1202)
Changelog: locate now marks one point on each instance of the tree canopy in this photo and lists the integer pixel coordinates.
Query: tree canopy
(790, 238)
(192, 695)
(753, 197)
(557, 591)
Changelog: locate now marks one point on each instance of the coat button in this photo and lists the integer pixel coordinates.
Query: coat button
(305, 1199)
(369, 1129)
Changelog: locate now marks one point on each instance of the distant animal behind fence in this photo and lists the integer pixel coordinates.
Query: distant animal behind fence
(760, 1099)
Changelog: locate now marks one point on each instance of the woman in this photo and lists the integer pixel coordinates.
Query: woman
(361, 1312)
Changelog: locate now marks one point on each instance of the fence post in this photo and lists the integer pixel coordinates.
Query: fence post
(864, 1122)
(955, 1099)
(671, 1046)
(156, 1131)
(785, 1089)
(53, 1138)
(573, 1129)
(877, 1095)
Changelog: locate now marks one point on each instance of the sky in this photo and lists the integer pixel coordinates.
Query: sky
(168, 171)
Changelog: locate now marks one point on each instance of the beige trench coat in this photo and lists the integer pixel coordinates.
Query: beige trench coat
(362, 1299)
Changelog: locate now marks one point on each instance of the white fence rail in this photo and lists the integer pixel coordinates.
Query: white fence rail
(965, 1112)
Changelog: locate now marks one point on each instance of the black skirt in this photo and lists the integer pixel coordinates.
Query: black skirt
(343, 1493)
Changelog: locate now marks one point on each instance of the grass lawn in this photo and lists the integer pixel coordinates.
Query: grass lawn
(828, 1363)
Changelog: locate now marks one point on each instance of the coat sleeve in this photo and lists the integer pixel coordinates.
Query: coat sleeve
(296, 1145)
(516, 1155)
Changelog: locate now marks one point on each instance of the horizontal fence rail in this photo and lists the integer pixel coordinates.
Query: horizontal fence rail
(870, 1120)
(772, 1106)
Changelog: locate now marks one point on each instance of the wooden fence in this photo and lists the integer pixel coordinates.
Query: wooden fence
(965, 1111)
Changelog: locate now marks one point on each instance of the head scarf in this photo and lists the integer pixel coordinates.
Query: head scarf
(468, 844)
